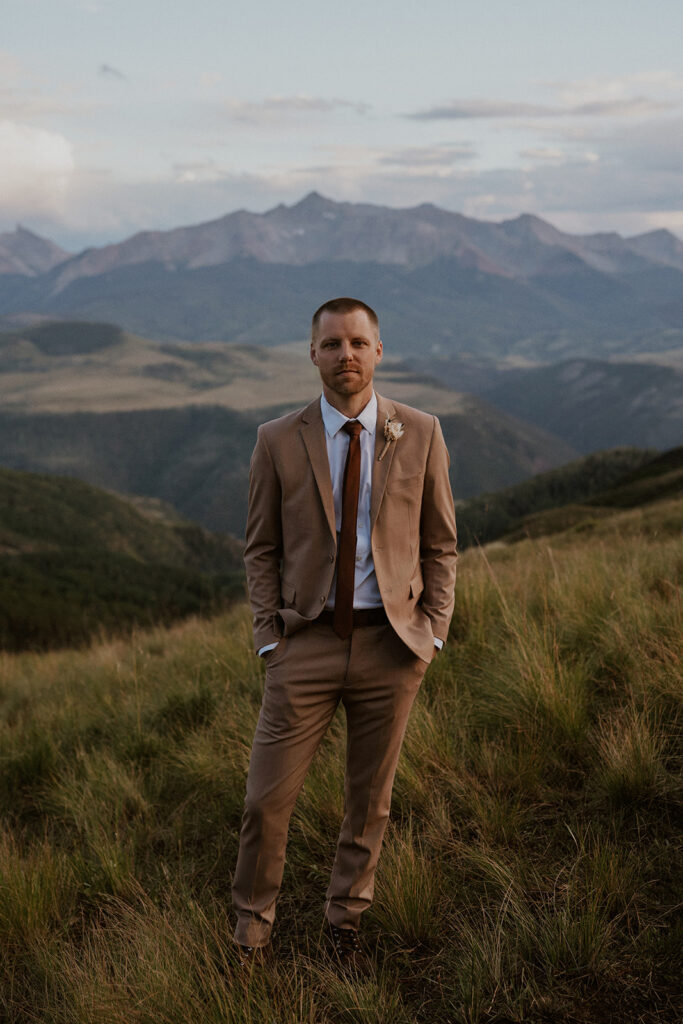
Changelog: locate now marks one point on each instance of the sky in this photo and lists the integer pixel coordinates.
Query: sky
(124, 115)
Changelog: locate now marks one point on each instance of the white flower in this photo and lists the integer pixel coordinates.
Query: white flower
(393, 430)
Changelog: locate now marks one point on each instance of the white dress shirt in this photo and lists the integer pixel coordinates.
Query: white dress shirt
(366, 592)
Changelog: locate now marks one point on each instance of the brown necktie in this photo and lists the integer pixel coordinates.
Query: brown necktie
(342, 622)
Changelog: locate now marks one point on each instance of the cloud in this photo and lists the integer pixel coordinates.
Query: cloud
(18, 105)
(403, 160)
(199, 171)
(636, 95)
(35, 170)
(424, 157)
(544, 153)
(588, 90)
(107, 71)
(20, 101)
(646, 149)
(276, 107)
(457, 110)
(636, 106)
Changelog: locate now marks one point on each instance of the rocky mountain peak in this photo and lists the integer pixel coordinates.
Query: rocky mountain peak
(660, 245)
(24, 252)
(317, 229)
(314, 202)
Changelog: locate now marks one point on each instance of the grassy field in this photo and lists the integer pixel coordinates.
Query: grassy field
(531, 871)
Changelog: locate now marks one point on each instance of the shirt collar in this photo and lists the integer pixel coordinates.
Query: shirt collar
(335, 420)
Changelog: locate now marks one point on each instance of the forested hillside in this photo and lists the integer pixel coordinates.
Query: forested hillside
(76, 561)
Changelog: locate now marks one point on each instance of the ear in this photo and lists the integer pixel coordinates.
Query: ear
(378, 353)
(314, 354)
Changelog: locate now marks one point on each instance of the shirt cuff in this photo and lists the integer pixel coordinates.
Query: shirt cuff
(268, 647)
(437, 643)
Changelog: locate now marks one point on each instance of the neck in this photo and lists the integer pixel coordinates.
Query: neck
(349, 405)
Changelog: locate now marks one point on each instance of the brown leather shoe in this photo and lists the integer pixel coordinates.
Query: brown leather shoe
(252, 958)
(346, 949)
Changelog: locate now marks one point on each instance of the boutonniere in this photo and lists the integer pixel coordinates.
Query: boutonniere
(393, 429)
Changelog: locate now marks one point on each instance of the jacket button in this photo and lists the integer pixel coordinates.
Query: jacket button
(322, 600)
(331, 559)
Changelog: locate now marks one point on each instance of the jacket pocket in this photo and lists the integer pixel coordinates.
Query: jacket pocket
(288, 592)
(416, 585)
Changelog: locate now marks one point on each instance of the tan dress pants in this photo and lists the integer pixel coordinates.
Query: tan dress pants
(376, 677)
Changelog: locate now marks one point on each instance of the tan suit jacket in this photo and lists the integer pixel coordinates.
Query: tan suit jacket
(291, 540)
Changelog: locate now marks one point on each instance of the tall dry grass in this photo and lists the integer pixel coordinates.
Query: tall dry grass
(531, 870)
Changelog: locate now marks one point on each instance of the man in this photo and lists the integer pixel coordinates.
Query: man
(350, 557)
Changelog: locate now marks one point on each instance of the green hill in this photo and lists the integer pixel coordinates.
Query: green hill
(75, 560)
(658, 478)
(657, 481)
(560, 498)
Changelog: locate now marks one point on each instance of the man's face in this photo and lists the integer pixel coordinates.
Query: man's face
(346, 349)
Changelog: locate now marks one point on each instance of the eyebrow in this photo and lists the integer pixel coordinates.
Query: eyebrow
(335, 337)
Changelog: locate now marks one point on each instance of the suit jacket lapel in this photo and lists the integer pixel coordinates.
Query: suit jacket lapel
(380, 470)
(313, 434)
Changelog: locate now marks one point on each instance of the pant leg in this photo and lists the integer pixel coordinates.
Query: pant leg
(303, 685)
(383, 679)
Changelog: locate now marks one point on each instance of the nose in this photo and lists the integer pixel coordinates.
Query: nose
(346, 352)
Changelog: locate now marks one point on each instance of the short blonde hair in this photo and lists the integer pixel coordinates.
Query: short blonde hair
(345, 304)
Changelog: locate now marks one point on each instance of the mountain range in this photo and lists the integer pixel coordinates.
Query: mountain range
(591, 404)
(443, 283)
(318, 229)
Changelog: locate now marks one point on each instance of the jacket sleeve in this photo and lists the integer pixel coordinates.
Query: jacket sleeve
(438, 538)
(263, 550)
